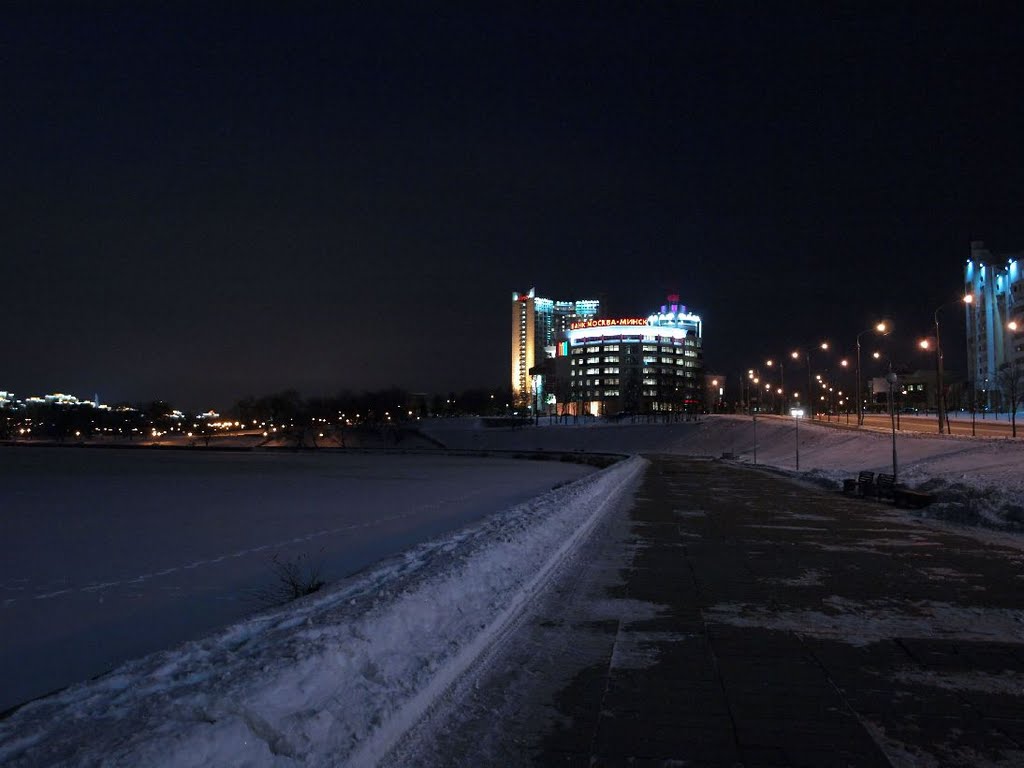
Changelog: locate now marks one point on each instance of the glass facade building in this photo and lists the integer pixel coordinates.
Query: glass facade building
(634, 365)
(537, 325)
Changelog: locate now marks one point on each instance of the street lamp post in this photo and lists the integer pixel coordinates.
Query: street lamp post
(810, 389)
(844, 364)
(878, 328)
(796, 421)
(891, 378)
(782, 378)
(754, 418)
(940, 395)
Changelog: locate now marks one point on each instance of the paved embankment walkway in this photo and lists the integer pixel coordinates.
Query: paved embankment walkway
(732, 617)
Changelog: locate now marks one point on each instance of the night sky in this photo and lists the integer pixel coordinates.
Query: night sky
(202, 204)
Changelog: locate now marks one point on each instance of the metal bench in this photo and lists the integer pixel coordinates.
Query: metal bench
(866, 484)
(885, 486)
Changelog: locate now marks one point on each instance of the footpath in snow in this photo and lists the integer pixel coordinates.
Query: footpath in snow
(335, 678)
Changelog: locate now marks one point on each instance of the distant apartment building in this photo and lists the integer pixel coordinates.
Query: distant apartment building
(536, 327)
(916, 391)
(994, 281)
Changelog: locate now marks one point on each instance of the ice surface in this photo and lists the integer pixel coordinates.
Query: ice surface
(106, 555)
(332, 679)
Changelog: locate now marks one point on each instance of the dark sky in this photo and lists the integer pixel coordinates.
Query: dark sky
(206, 201)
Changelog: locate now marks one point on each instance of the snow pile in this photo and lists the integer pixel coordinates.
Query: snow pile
(976, 480)
(335, 678)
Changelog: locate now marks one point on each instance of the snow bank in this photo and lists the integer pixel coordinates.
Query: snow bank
(976, 480)
(335, 678)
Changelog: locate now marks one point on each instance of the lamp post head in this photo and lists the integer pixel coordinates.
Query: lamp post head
(924, 344)
(824, 345)
(969, 298)
(1012, 325)
(795, 355)
(882, 328)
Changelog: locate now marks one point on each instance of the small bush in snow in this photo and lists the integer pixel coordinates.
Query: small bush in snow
(294, 578)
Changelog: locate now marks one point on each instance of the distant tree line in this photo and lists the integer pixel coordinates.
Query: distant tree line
(59, 421)
(300, 419)
(377, 406)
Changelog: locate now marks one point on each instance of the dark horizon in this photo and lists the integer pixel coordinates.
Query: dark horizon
(202, 204)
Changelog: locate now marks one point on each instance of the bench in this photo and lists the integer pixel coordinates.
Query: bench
(905, 497)
(885, 486)
(866, 484)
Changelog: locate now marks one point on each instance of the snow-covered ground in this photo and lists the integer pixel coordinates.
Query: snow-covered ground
(338, 677)
(106, 555)
(975, 480)
(335, 678)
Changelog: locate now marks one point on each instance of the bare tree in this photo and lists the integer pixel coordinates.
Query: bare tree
(1010, 379)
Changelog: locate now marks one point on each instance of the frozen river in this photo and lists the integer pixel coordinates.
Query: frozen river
(107, 555)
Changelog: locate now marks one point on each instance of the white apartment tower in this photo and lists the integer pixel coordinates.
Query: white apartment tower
(994, 281)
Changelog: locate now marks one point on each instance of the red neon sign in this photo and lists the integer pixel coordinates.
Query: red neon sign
(605, 322)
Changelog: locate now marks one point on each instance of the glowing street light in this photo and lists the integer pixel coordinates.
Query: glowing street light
(806, 355)
(940, 395)
(881, 328)
(782, 375)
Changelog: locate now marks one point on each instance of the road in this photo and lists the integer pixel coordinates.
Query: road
(988, 427)
(734, 617)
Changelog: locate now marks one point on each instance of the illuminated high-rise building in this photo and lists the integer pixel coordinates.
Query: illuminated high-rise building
(635, 364)
(995, 319)
(536, 325)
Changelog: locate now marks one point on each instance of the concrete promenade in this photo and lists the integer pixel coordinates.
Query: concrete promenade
(733, 617)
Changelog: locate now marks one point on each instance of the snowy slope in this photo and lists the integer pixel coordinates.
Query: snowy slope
(975, 480)
(333, 679)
